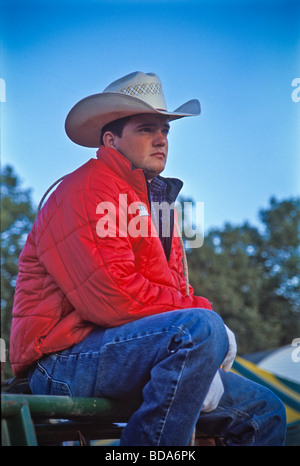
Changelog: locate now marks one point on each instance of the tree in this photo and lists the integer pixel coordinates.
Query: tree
(281, 248)
(17, 216)
(251, 276)
(280, 256)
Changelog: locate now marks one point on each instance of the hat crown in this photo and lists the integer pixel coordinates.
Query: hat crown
(144, 86)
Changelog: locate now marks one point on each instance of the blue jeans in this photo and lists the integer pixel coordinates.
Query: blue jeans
(168, 361)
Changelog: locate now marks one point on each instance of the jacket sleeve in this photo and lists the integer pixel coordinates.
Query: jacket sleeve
(98, 275)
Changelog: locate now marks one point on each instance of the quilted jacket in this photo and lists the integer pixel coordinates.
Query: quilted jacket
(72, 277)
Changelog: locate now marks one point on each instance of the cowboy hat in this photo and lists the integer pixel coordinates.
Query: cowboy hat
(130, 95)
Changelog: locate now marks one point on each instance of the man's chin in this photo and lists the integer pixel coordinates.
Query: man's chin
(153, 171)
(150, 174)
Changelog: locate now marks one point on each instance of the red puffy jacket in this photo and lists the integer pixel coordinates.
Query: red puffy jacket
(71, 279)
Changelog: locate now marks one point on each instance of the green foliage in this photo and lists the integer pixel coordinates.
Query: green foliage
(252, 277)
(17, 216)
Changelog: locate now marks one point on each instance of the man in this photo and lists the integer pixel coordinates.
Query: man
(102, 306)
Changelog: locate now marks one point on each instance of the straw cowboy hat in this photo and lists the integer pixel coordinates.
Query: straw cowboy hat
(133, 94)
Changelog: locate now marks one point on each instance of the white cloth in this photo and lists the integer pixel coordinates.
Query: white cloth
(216, 388)
(214, 394)
(230, 357)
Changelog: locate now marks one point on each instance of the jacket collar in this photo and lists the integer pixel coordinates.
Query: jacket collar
(135, 176)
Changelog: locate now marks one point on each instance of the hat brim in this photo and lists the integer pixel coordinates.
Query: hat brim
(87, 118)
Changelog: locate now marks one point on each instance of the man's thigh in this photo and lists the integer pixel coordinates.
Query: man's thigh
(128, 353)
(117, 362)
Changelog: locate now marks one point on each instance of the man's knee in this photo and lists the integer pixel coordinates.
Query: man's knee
(202, 325)
(203, 322)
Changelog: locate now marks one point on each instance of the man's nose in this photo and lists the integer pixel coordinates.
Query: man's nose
(160, 139)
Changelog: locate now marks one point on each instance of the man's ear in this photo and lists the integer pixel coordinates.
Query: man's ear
(109, 139)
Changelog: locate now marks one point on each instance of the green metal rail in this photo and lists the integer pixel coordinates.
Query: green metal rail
(33, 420)
(16, 424)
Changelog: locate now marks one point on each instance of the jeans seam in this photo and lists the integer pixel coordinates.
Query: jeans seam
(171, 401)
(174, 393)
(135, 337)
(59, 355)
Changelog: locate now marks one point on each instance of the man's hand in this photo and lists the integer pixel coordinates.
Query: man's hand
(214, 394)
(230, 357)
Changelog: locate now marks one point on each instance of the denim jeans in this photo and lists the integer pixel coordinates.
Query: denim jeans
(168, 362)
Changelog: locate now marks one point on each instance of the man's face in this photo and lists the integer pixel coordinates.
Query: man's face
(144, 142)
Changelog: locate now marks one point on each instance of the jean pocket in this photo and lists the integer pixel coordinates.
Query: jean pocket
(60, 388)
(39, 382)
(42, 383)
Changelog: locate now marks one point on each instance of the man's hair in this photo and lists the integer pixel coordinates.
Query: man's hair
(115, 127)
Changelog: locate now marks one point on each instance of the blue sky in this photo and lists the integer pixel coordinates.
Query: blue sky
(238, 58)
